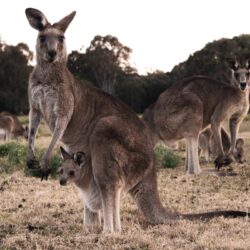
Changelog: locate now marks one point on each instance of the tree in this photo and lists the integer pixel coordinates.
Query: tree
(105, 59)
(14, 74)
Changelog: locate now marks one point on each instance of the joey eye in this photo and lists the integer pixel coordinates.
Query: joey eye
(61, 39)
(71, 173)
(42, 38)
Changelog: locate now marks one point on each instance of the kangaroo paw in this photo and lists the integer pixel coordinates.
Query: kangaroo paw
(33, 164)
(44, 173)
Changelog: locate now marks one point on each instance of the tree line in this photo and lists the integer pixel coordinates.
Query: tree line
(105, 64)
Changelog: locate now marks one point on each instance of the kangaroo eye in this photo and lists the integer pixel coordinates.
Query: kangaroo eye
(71, 173)
(42, 39)
(61, 38)
(236, 75)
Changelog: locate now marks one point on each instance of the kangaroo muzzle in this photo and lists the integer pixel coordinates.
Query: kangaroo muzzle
(243, 85)
(63, 182)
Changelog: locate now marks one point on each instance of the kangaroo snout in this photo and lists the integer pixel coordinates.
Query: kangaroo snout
(52, 55)
(63, 182)
(243, 85)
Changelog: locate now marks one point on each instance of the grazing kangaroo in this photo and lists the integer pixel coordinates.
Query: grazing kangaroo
(186, 108)
(12, 126)
(117, 142)
(207, 145)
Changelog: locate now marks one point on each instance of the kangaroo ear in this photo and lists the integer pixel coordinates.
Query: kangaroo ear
(80, 158)
(64, 23)
(36, 19)
(233, 64)
(65, 154)
(247, 64)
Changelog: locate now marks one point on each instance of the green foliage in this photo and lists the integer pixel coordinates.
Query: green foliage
(166, 158)
(13, 157)
(14, 74)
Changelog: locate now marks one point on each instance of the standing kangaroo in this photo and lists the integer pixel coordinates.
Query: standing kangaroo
(12, 126)
(117, 142)
(207, 145)
(186, 108)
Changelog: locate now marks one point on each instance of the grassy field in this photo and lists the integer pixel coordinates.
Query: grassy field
(44, 215)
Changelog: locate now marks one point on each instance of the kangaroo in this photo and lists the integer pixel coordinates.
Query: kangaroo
(12, 126)
(188, 107)
(118, 143)
(207, 145)
(77, 168)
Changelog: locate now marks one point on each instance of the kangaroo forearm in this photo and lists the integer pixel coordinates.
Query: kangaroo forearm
(217, 137)
(61, 125)
(34, 121)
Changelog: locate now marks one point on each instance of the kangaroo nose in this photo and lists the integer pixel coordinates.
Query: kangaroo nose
(52, 54)
(243, 85)
(63, 182)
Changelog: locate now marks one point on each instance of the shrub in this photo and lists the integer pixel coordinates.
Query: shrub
(13, 157)
(166, 158)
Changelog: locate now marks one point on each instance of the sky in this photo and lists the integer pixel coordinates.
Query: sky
(161, 33)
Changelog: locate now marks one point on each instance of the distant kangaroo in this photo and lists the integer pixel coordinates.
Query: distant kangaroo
(207, 145)
(12, 126)
(117, 142)
(186, 108)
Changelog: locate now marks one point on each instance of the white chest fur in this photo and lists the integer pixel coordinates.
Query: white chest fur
(45, 99)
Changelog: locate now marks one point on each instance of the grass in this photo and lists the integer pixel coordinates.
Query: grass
(44, 215)
(13, 155)
(166, 158)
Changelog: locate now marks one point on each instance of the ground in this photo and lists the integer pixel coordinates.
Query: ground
(44, 215)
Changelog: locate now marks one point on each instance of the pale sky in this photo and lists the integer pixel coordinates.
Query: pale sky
(161, 33)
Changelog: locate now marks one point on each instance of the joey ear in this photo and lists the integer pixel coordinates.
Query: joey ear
(80, 158)
(36, 19)
(233, 64)
(65, 154)
(64, 23)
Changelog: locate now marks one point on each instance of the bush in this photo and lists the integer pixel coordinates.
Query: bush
(13, 157)
(166, 158)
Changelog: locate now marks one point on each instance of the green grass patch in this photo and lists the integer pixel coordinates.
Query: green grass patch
(166, 158)
(24, 119)
(13, 157)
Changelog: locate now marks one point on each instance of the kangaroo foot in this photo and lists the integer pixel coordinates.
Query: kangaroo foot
(222, 161)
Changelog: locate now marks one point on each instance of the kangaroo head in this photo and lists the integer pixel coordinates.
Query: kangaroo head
(239, 153)
(71, 169)
(50, 46)
(240, 74)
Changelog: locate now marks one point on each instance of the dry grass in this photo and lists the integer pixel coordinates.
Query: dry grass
(44, 215)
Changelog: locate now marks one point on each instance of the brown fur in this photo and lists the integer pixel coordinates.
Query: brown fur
(185, 109)
(117, 143)
(12, 126)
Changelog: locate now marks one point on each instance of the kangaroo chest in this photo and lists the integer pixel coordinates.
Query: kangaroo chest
(45, 99)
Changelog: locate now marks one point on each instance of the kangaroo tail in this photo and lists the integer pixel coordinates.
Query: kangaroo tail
(214, 214)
